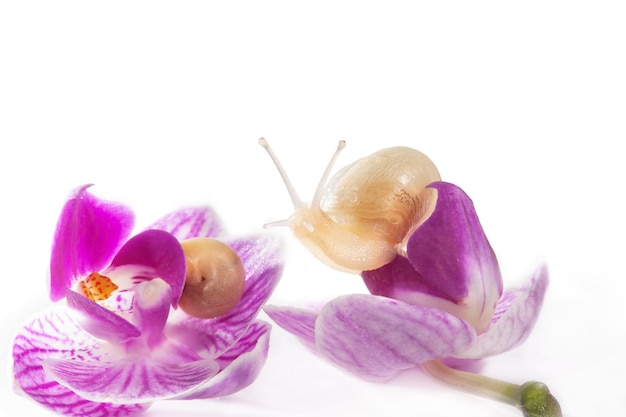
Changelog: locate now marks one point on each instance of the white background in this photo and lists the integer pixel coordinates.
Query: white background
(160, 104)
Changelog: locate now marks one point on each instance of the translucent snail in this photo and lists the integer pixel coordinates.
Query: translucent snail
(359, 219)
(215, 278)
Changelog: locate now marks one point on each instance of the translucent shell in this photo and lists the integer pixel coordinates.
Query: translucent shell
(380, 195)
(360, 219)
(215, 278)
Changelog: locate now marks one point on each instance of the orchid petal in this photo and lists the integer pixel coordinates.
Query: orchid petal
(130, 380)
(55, 335)
(297, 321)
(151, 308)
(262, 260)
(100, 322)
(516, 315)
(190, 222)
(158, 255)
(375, 337)
(241, 364)
(453, 256)
(88, 234)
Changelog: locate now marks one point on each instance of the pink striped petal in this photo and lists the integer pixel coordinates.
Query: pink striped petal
(55, 335)
(190, 222)
(516, 314)
(88, 234)
(262, 260)
(100, 322)
(297, 321)
(159, 255)
(240, 365)
(376, 337)
(130, 380)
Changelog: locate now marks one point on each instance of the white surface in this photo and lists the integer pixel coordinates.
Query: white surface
(161, 104)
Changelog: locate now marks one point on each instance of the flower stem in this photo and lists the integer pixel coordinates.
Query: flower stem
(533, 398)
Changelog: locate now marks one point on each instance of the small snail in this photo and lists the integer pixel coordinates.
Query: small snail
(360, 218)
(215, 278)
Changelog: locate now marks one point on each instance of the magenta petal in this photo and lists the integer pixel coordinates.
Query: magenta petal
(454, 258)
(190, 222)
(161, 253)
(151, 308)
(516, 315)
(99, 321)
(130, 380)
(262, 260)
(88, 234)
(55, 335)
(240, 365)
(375, 337)
(297, 321)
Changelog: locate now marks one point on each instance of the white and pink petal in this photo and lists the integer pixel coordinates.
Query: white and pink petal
(56, 335)
(376, 337)
(190, 222)
(99, 321)
(297, 321)
(130, 380)
(240, 365)
(515, 316)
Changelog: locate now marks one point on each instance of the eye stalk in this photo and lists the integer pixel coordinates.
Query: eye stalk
(215, 278)
(359, 219)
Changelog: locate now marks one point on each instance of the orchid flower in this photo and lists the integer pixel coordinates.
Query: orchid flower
(118, 342)
(442, 299)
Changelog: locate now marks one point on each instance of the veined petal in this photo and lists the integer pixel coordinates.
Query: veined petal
(262, 261)
(240, 365)
(190, 222)
(88, 234)
(454, 259)
(159, 255)
(515, 317)
(100, 322)
(130, 380)
(55, 335)
(297, 321)
(375, 337)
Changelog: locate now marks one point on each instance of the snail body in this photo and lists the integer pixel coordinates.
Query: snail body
(360, 218)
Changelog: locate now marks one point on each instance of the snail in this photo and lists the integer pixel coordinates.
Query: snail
(360, 219)
(215, 278)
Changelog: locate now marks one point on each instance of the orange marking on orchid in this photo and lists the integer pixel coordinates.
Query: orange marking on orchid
(97, 287)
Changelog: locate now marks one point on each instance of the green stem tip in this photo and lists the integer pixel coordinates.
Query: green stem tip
(537, 401)
(533, 398)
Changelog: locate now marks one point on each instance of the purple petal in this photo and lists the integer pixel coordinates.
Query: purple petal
(262, 260)
(131, 379)
(151, 308)
(88, 234)
(55, 335)
(240, 365)
(99, 321)
(516, 315)
(297, 321)
(454, 259)
(161, 256)
(375, 337)
(190, 222)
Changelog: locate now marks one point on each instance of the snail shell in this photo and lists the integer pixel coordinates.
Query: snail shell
(360, 218)
(215, 278)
